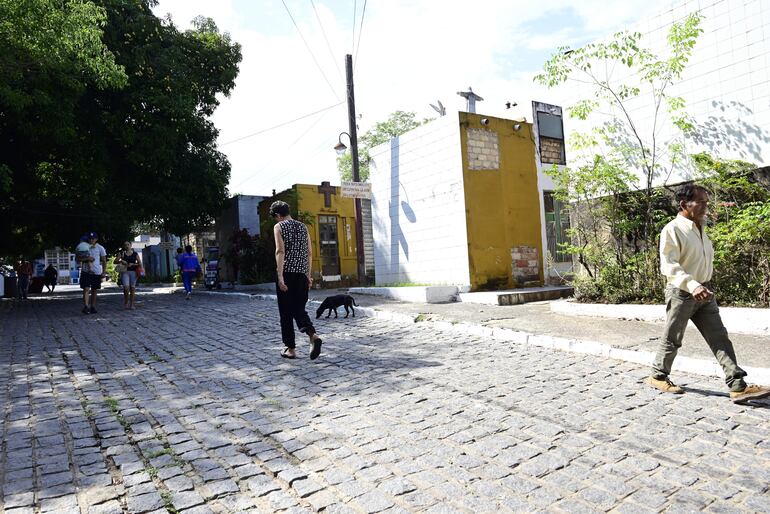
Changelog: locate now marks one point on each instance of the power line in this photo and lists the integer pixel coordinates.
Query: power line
(328, 45)
(353, 43)
(270, 163)
(281, 124)
(310, 51)
(360, 31)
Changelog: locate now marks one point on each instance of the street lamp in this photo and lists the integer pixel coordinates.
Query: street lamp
(340, 147)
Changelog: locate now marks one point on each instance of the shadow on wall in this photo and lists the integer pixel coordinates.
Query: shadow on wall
(719, 133)
(397, 238)
(728, 132)
(408, 211)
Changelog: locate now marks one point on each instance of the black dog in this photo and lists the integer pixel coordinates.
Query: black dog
(333, 302)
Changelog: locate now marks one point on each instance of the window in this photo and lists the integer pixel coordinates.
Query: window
(550, 130)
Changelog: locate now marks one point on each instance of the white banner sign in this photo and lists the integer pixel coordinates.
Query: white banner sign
(356, 190)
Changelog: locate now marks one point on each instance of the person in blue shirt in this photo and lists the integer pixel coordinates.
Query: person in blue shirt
(190, 267)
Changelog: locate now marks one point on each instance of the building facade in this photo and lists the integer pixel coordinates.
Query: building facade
(458, 201)
(331, 221)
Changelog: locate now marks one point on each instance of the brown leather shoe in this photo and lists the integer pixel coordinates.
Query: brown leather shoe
(665, 385)
(752, 392)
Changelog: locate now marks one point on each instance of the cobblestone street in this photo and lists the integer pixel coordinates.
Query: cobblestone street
(187, 406)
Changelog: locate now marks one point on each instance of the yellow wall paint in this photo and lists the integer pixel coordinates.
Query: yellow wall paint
(311, 201)
(502, 206)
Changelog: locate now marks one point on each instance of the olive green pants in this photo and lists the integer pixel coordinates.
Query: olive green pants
(681, 307)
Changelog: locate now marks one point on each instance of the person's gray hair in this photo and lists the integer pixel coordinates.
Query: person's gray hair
(279, 208)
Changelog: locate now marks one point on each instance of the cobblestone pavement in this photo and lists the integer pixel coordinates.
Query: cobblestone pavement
(187, 406)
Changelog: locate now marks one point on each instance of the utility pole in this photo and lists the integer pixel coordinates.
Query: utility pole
(356, 177)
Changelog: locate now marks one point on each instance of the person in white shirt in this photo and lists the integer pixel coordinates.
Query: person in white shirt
(687, 262)
(92, 271)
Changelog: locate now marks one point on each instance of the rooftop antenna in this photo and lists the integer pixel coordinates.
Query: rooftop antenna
(470, 98)
(441, 110)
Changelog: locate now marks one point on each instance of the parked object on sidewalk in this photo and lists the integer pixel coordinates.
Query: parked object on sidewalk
(211, 280)
(687, 263)
(333, 302)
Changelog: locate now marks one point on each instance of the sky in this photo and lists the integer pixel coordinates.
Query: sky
(407, 55)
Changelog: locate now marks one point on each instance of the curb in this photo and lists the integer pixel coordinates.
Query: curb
(706, 367)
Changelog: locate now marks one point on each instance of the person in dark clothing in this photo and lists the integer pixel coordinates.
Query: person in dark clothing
(293, 257)
(126, 263)
(24, 274)
(50, 275)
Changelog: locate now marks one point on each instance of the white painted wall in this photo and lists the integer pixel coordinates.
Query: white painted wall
(418, 207)
(726, 84)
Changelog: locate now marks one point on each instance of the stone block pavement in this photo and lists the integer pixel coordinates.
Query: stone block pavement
(186, 406)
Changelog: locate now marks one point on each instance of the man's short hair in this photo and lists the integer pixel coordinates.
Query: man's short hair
(279, 208)
(687, 192)
(188, 249)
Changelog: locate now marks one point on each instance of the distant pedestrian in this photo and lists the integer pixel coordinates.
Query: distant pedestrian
(128, 261)
(23, 276)
(294, 258)
(190, 268)
(178, 259)
(687, 262)
(50, 276)
(93, 265)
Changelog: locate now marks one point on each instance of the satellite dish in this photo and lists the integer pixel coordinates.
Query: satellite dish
(440, 109)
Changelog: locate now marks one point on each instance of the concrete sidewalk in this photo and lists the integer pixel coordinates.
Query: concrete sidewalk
(536, 324)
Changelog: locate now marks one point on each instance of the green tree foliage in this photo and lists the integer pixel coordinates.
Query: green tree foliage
(104, 120)
(397, 123)
(617, 217)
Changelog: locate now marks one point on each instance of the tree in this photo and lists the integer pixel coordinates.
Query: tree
(397, 123)
(617, 218)
(129, 142)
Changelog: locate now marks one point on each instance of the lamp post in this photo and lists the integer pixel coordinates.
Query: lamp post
(340, 148)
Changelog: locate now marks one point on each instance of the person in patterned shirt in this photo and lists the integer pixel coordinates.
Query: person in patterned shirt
(293, 258)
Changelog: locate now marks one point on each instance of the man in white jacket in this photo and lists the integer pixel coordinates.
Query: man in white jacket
(687, 262)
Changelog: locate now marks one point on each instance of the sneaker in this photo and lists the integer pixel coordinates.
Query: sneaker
(665, 385)
(752, 392)
(85, 310)
(92, 310)
(188, 296)
(316, 342)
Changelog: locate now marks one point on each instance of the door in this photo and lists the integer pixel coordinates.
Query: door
(330, 254)
(556, 226)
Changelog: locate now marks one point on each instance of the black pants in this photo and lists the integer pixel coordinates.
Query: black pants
(291, 307)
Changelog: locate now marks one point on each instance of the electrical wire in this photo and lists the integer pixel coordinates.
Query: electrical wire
(360, 31)
(353, 43)
(270, 163)
(280, 125)
(328, 45)
(310, 51)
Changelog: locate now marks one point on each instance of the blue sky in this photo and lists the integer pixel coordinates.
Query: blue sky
(411, 54)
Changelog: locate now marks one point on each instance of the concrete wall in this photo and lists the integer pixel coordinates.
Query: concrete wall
(502, 201)
(418, 207)
(248, 217)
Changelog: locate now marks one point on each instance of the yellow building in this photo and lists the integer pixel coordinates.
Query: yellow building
(331, 220)
(502, 202)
